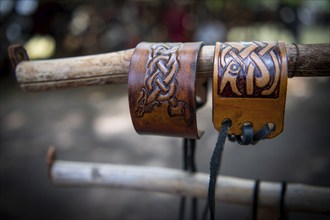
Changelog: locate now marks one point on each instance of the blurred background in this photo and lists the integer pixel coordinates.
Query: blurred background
(93, 124)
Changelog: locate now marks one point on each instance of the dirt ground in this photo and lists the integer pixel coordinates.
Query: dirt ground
(93, 125)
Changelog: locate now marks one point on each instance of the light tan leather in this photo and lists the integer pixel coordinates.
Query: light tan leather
(249, 85)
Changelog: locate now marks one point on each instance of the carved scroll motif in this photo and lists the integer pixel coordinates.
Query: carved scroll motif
(160, 83)
(249, 69)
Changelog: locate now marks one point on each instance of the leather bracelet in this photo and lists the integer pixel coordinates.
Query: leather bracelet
(162, 89)
(249, 85)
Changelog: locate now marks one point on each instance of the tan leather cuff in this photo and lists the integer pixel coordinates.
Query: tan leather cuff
(249, 85)
(162, 89)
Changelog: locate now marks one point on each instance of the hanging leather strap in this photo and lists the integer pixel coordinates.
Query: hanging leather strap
(255, 199)
(214, 169)
(283, 215)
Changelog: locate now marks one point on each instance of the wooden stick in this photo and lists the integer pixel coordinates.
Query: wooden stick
(299, 197)
(303, 60)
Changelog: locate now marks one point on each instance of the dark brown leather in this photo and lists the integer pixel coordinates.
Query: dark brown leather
(17, 54)
(161, 89)
(249, 85)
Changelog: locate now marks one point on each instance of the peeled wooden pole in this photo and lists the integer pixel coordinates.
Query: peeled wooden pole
(299, 197)
(303, 60)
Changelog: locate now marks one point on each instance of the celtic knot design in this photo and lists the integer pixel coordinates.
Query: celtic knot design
(160, 83)
(249, 69)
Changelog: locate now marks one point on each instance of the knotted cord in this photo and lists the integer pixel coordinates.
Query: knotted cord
(248, 137)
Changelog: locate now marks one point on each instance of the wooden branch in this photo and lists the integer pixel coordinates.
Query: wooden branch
(303, 60)
(299, 197)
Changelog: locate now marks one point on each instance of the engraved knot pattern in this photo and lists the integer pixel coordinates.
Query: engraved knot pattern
(249, 69)
(160, 83)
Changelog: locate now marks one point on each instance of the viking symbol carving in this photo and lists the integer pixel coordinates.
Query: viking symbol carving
(160, 84)
(249, 69)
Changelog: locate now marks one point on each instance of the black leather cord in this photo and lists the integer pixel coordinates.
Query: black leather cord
(282, 202)
(193, 169)
(189, 148)
(262, 134)
(182, 208)
(248, 137)
(191, 152)
(255, 200)
(185, 167)
(214, 169)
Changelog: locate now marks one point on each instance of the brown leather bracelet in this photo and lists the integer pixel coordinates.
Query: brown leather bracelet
(162, 89)
(249, 85)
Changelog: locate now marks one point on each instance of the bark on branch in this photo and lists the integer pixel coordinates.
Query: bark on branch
(303, 60)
